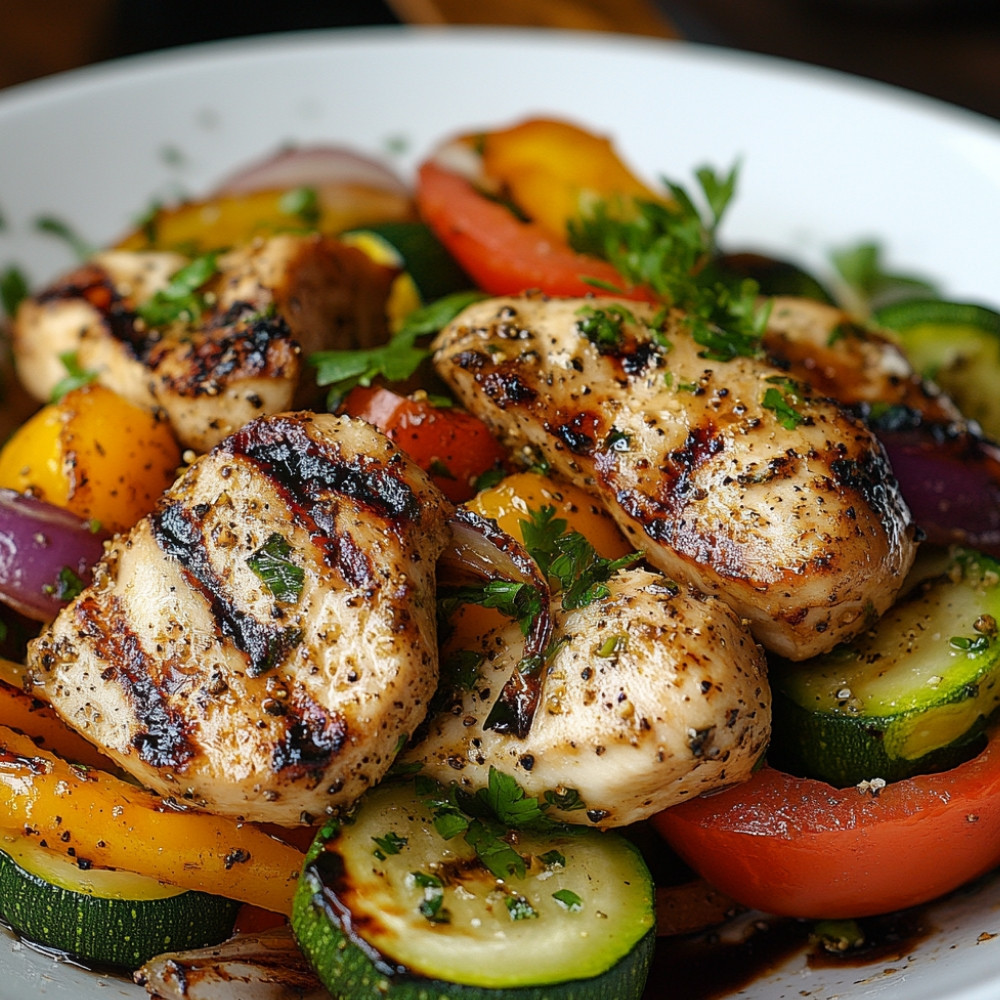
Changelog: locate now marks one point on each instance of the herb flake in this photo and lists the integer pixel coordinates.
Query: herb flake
(273, 567)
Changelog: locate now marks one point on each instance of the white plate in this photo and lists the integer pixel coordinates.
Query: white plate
(826, 161)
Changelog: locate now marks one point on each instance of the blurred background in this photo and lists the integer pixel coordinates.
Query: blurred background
(949, 49)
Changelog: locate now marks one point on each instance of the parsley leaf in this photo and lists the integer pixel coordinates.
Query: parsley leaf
(395, 360)
(516, 600)
(68, 585)
(569, 559)
(669, 248)
(389, 843)
(304, 204)
(506, 800)
(271, 565)
(519, 908)
(179, 299)
(75, 377)
(486, 817)
(13, 290)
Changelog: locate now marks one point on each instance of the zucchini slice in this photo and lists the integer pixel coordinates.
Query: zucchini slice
(910, 696)
(109, 918)
(389, 908)
(957, 346)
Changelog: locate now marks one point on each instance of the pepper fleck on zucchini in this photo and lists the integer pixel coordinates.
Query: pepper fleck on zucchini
(412, 899)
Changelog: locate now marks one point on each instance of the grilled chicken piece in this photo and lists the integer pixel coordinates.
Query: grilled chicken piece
(729, 477)
(267, 306)
(656, 693)
(825, 347)
(947, 470)
(264, 641)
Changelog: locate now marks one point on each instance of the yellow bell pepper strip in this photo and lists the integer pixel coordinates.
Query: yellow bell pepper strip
(94, 453)
(195, 227)
(102, 821)
(553, 170)
(35, 719)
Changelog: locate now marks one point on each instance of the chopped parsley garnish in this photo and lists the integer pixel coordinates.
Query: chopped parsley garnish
(431, 906)
(75, 377)
(395, 360)
(68, 585)
(484, 819)
(604, 327)
(303, 203)
(276, 571)
(567, 801)
(617, 440)
(13, 290)
(569, 560)
(611, 646)
(390, 843)
(519, 908)
(179, 300)
(568, 899)
(970, 644)
(669, 249)
(782, 405)
(553, 859)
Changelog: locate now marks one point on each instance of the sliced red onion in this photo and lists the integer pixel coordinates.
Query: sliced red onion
(950, 479)
(316, 167)
(46, 554)
(483, 550)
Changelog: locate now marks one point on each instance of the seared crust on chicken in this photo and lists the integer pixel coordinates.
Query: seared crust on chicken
(267, 307)
(656, 693)
(264, 641)
(725, 472)
(825, 347)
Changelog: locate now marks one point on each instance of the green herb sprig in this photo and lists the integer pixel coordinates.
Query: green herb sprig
(669, 248)
(397, 359)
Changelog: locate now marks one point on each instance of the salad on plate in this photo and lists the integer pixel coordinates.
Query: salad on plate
(462, 589)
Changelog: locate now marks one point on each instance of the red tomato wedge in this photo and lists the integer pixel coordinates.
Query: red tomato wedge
(802, 848)
(453, 446)
(501, 253)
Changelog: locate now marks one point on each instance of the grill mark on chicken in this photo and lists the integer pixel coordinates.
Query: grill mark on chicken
(307, 476)
(163, 736)
(302, 466)
(93, 284)
(293, 702)
(313, 737)
(179, 533)
(268, 305)
(241, 343)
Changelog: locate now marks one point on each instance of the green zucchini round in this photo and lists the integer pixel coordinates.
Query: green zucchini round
(375, 926)
(912, 695)
(108, 930)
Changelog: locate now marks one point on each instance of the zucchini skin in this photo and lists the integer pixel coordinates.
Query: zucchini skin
(122, 933)
(350, 970)
(942, 698)
(331, 936)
